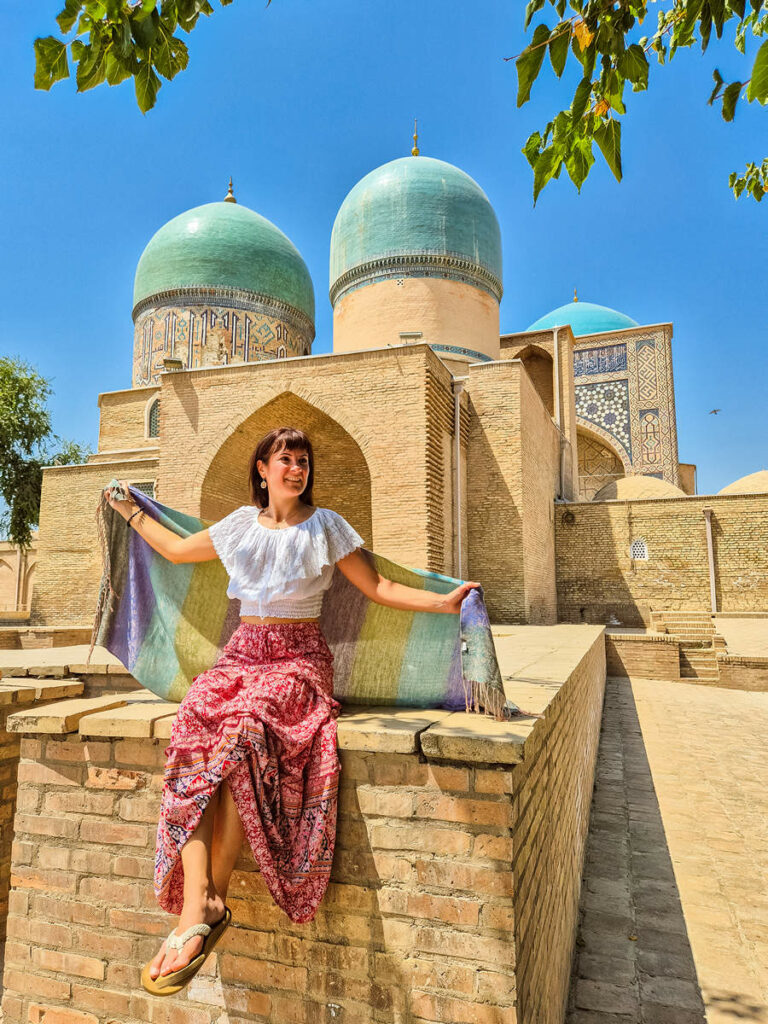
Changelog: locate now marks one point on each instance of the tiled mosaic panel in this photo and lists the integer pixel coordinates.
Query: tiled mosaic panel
(598, 465)
(647, 384)
(209, 335)
(650, 437)
(587, 362)
(606, 404)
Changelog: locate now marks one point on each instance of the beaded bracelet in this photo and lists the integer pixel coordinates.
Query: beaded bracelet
(130, 517)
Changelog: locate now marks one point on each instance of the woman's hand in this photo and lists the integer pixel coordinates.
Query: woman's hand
(124, 507)
(452, 601)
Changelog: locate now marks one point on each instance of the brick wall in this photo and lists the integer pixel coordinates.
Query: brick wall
(17, 693)
(540, 453)
(512, 467)
(552, 791)
(453, 894)
(69, 566)
(596, 578)
(122, 419)
(644, 657)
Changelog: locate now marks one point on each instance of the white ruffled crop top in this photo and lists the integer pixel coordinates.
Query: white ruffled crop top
(283, 572)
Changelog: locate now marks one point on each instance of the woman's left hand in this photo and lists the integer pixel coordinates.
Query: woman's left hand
(452, 601)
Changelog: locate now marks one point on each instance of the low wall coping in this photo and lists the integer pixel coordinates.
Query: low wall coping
(641, 638)
(755, 660)
(31, 690)
(535, 663)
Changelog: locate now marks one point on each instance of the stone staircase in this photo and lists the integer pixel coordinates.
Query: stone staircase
(695, 632)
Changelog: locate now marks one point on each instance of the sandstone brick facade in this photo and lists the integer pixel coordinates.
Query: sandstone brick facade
(598, 580)
(383, 426)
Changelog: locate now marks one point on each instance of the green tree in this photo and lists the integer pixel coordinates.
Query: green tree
(27, 444)
(603, 38)
(113, 40)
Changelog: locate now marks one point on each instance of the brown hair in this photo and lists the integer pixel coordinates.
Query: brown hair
(281, 438)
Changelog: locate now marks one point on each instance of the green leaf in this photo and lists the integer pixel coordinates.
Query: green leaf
(608, 138)
(146, 84)
(91, 69)
(533, 7)
(718, 79)
(544, 171)
(50, 62)
(581, 99)
(738, 7)
(117, 69)
(633, 65)
(532, 147)
(730, 96)
(579, 162)
(558, 47)
(758, 83)
(68, 16)
(529, 63)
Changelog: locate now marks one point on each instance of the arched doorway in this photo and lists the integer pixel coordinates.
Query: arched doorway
(540, 368)
(342, 478)
(599, 463)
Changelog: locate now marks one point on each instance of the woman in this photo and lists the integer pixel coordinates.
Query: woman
(263, 719)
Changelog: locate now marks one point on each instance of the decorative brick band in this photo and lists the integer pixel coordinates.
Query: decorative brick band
(231, 298)
(451, 267)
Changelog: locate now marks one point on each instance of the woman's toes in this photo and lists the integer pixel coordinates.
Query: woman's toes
(157, 963)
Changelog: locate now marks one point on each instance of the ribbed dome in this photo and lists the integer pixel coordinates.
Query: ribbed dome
(416, 206)
(225, 245)
(754, 483)
(584, 318)
(629, 488)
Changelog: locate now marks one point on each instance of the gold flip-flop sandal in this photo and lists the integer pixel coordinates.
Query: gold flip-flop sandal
(170, 984)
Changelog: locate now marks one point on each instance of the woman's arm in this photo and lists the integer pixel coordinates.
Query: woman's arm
(397, 595)
(198, 547)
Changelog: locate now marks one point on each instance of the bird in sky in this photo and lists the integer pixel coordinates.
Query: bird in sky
(714, 412)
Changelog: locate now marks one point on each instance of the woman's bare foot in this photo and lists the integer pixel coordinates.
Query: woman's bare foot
(209, 911)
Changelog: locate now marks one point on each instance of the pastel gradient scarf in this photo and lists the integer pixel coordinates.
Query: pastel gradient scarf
(167, 623)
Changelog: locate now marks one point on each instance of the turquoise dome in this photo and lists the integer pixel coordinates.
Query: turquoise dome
(584, 318)
(225, 245)
(416, 206)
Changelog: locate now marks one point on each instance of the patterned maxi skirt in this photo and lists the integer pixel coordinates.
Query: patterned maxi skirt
(263, 719)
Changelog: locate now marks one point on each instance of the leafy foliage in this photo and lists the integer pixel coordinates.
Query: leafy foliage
(112, 40)
(603, 37)
(27, 443)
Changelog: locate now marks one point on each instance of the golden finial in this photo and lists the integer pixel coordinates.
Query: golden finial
(415, 150)
(229, 197)
(575, 296)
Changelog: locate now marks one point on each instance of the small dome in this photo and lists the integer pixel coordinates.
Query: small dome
(584, 318)
(416, 206)
(630, 488)
(225, 245)
(754, 483)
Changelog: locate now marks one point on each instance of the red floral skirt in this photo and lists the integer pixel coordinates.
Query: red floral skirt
(263, 719)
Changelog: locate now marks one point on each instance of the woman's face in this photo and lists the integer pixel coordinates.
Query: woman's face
(286, 473)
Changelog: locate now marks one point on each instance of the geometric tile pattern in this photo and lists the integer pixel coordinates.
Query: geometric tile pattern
(606, 404)
(598, 466)
(650, 437)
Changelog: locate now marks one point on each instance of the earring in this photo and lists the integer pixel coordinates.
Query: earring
(264, 484)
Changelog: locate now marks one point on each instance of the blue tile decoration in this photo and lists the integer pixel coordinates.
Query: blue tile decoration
(606, 404)
(588, 362)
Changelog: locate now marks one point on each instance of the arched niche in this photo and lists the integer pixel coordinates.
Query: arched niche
(342, 477)
(540, 368)
(600, 462)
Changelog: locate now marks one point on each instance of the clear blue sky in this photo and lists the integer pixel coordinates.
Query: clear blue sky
(297, 101)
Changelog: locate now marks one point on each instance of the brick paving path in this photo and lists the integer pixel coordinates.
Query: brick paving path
(674, 908)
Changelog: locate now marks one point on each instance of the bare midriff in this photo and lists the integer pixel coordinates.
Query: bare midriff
(254, 620)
